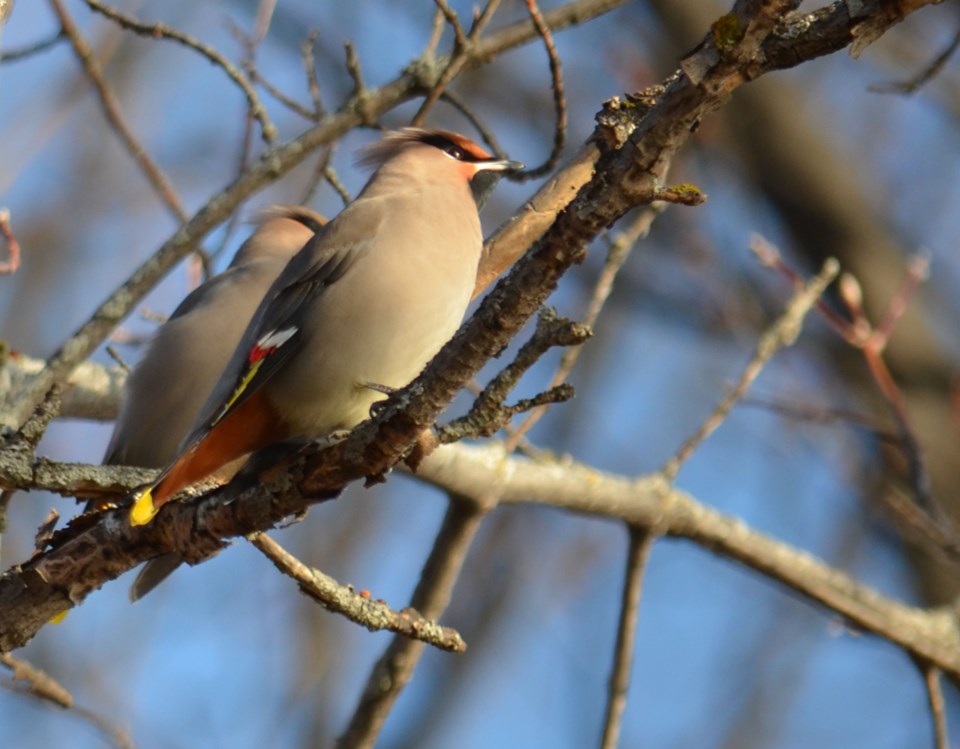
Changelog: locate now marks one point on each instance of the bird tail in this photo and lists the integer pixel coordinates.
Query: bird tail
(143, 508)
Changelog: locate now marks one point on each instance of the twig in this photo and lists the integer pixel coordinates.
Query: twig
(918, 271)
(912, 85)
(21, 53)
(395, 667)
(39, 682)
(436, 33)
(641, 542)
(770, 257)
(162, 31)
(458, 58)
(310, 68)
(872, 341)
(354, 69)
(115, 355)
(938, 710)
(488, 414)
(360, 609)
(333, 179)
(823, 415)
(323, 171)
(617, 255)
(559, 98)
(782, 333)
(451, 17)
(43, 687)
(111, 110)
(13, 246)
(485, 133)
(289, 102)
(34, 428)
(250, 43)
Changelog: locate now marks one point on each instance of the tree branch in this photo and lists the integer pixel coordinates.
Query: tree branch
(360, 609)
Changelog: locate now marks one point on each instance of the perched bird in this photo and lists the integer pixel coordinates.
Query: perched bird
(163, 395)
(358, 312)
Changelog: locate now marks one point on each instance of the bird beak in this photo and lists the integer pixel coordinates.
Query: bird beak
(500, 165)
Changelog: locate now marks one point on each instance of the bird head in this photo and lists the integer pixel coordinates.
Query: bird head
(440, 155)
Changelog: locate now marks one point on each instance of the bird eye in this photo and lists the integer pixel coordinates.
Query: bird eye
(456, 152)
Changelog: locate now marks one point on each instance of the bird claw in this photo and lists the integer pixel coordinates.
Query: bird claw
(385, 389)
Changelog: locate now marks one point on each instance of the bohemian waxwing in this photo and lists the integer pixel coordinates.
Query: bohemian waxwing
(163, 395)
(360, 310)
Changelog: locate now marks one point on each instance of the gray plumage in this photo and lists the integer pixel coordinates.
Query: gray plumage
(164, 393)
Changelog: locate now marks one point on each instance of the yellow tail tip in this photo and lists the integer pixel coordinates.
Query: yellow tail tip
(143, 510)
(57, 618)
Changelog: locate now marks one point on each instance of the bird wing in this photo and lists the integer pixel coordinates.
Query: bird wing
(275, 332)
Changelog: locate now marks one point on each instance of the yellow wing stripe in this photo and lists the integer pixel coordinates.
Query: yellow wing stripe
(247, 378)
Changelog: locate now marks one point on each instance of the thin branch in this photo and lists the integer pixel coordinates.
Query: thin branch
(393, 671)
(333, 179)
(914, 84)
(782, 333)
(650, 501)
(824, 415)
(938, 709)
(770, 257)
(162, 31)
(358, 608)
(641, 542)
(354, 70)
(918, 271)
(310, 69)
(111, 110)
(871, 342)
(436, 33)
(115, 355)
(463, 47)
(486, 134)
(488, 414)
(289, 102)
(451, 17)
(559, 98)
(21, 53)
(40, 683)
(617, 255)
(10, 265)
(324, 171)
(42, 687)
